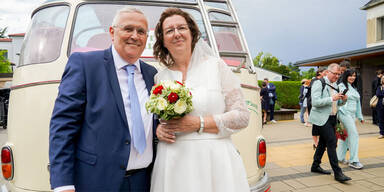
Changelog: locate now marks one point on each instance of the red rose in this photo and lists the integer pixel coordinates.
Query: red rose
(173, 97)
(158, 90)
(179, 83)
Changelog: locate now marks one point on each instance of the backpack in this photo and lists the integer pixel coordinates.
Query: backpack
(308, 95)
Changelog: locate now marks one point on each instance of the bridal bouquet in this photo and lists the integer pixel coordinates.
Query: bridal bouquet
(169, 100)
(341, 132)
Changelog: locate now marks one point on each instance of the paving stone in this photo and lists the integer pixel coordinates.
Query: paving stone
(317, 180)
(302, 169)
(290, 148)
(379, 172)
(280, 186)
(359, 175)
(350, 187)
(371, 160)
(378, 181)
(369, 185)
(318, 189)
(294, 183)
(281, 171)
(271, 165)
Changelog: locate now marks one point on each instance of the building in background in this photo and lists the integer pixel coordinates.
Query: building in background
(12, 46)
(366, 60)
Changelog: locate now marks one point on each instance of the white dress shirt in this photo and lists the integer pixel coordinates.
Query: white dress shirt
(136, 160)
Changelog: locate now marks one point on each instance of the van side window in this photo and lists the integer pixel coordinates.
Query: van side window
(227, 38)
(43, 40)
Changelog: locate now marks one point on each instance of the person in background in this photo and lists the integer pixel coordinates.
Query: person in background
(264, 101)
(325, 104)
(375, 85)
(301, 100)
(344, 65)
(347, 115)
(272, 99)
(320, 73)
(380, 107)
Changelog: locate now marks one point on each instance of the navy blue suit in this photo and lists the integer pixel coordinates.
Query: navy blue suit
(89, 141)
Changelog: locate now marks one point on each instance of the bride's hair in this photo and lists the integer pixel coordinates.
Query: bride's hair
(159, 51)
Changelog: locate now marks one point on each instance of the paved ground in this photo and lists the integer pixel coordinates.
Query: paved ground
(290, 155)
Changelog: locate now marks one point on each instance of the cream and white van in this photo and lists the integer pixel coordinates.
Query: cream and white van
(61, 27)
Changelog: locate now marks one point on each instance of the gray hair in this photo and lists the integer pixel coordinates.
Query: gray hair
(126, 9)
(332, 66)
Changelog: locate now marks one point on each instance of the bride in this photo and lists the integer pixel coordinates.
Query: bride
(196, 153)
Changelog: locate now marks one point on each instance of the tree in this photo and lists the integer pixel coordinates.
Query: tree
(272, 63)
(309, 74)
(5, 65)
(2, 32)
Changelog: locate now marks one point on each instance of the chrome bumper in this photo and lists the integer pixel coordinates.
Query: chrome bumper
(263, 185)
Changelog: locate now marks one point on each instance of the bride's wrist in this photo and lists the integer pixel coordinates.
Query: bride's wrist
(201, 125)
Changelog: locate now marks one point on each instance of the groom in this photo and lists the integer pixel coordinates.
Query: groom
(101, 137)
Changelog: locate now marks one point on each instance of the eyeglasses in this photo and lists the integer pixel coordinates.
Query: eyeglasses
(337, 74)
(181, 29)
(129, 30)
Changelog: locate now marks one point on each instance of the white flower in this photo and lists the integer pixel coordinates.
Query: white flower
(180, 106)
(170, 84)
(161, 103)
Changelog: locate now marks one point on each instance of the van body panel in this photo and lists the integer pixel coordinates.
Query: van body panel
(31, 153)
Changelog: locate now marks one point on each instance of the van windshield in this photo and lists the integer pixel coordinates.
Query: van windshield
(43, 40)
(91, 31)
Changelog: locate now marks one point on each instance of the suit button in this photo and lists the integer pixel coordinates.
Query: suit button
(126, 142)
(122, 167)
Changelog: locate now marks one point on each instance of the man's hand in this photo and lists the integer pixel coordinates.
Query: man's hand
(339, 96)
(336, 97)
(344, 97)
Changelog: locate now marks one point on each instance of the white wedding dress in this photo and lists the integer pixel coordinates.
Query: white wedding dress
(205, 162)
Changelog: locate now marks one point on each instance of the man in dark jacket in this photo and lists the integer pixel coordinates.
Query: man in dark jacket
(375, 84)
(272, 98)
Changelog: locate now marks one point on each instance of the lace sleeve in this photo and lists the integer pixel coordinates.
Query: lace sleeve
(236, 115)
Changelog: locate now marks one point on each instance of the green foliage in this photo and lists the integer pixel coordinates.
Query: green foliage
(287, 93)
(5, 65)
(272, 63)
(309, 74)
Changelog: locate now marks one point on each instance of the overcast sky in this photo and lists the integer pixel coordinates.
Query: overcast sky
(291, 30)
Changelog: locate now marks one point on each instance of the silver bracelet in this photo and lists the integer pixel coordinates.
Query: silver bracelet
(201, 129)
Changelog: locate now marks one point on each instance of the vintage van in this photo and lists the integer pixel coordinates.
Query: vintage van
(61, 27)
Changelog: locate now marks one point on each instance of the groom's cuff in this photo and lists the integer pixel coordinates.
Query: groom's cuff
(63, 188)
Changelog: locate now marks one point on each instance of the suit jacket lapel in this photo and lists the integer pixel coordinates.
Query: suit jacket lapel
(114, 83)
(149, 81)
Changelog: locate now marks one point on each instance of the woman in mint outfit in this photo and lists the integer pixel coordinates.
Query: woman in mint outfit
(347, 115)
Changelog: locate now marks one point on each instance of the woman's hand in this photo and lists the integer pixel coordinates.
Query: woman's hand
(362, 121)
(187, 123)
(164, 134)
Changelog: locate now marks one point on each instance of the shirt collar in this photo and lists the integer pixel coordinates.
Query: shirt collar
(120, 63)
(327, 80)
